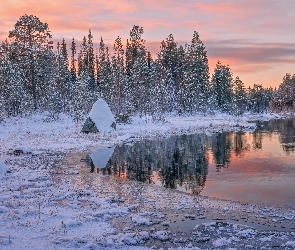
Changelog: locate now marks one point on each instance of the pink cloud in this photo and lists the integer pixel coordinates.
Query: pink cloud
(261, 22)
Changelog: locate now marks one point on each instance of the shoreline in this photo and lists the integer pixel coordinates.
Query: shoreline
(47, 201)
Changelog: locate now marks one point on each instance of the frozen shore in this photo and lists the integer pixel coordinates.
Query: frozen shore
(47, 201)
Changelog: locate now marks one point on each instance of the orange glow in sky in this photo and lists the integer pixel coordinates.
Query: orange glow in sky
(254, 37)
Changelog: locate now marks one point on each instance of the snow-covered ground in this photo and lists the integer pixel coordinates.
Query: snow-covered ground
(50, 200)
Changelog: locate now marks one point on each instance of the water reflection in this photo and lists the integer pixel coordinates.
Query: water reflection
(227, 161)
(180, 161)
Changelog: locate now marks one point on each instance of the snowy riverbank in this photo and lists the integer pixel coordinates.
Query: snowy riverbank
(64, 135)
(47, 201)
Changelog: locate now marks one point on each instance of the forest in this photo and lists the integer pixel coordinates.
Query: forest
(35, 76)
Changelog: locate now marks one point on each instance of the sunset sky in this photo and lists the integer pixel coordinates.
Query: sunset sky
(255, 37)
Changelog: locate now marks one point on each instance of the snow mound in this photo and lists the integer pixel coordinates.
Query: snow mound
(161, 235)
(246, 233)
(101, 157)
(290, 244)
(139, 220)
(221, 242)
(3, 168)
(102, 116)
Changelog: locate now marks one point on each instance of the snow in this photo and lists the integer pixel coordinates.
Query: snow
(101, 157)
(139, 220)
(221, 242)
(102, 116)
(46, 203)
(161, 235)
(246, 233)
(3, 168)
(23, 150)
(290, 244)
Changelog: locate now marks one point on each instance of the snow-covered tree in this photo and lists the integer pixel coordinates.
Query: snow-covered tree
(197, 75)
(29, 44)
(168, 61)
(14, 98)
(104, 75)
(222, 86)
(240, 97)
(283, 99)
(118, 74)
(256, 99)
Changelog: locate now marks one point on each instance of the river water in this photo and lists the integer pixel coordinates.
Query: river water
(256, 167)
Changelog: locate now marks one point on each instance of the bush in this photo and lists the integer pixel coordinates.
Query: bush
(123, 118)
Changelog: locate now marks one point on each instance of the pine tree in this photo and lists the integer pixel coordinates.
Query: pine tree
(14, 98)
(73, 62)
(91, 63)
(118, 73)
(64, 84)
(240, 97)
(222, 85)
(30, 45)
(104, 76)
(168, 61)
(197, 75)
(283, 99)
(82, 57)
(256, 99)
(135, 59)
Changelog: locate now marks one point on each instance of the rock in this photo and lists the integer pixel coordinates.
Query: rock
(89, 126)
(21, 150)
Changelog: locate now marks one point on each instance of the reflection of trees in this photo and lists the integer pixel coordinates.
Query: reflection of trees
(286, 129)
(188, 166)
(257, 139)
(179, 161)
(240, 145)
(183, 160)
(221, 146)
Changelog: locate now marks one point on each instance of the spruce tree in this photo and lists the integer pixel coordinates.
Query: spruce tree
(240, 97)
(30, 45)
(197, 75)
(73, 62)
(283, 99)
(168, 60)
(91, 63)
(104, 76)
(118, 73)
(222, 86)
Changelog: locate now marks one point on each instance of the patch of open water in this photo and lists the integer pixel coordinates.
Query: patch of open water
(188, 225)
(255, 167)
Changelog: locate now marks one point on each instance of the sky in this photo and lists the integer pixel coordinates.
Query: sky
(254, 37)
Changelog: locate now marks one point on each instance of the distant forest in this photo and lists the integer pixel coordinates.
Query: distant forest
(35, 77)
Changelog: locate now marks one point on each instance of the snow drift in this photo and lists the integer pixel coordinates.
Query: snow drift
(101, 117)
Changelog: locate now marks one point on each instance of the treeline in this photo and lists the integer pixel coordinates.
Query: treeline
(34, 77)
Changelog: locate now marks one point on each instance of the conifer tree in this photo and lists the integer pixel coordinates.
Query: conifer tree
(29, 40)
(240, 97)
(222, 85)
(64, 84)
(256, 99)
(283, 99)
(168, 60)
(14, 98)
(104, 76)
(197, 75)
(82, 57)
(73, 62)
(118, 73)
(91, 63)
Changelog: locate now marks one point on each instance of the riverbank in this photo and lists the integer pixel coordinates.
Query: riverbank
(46, 201)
